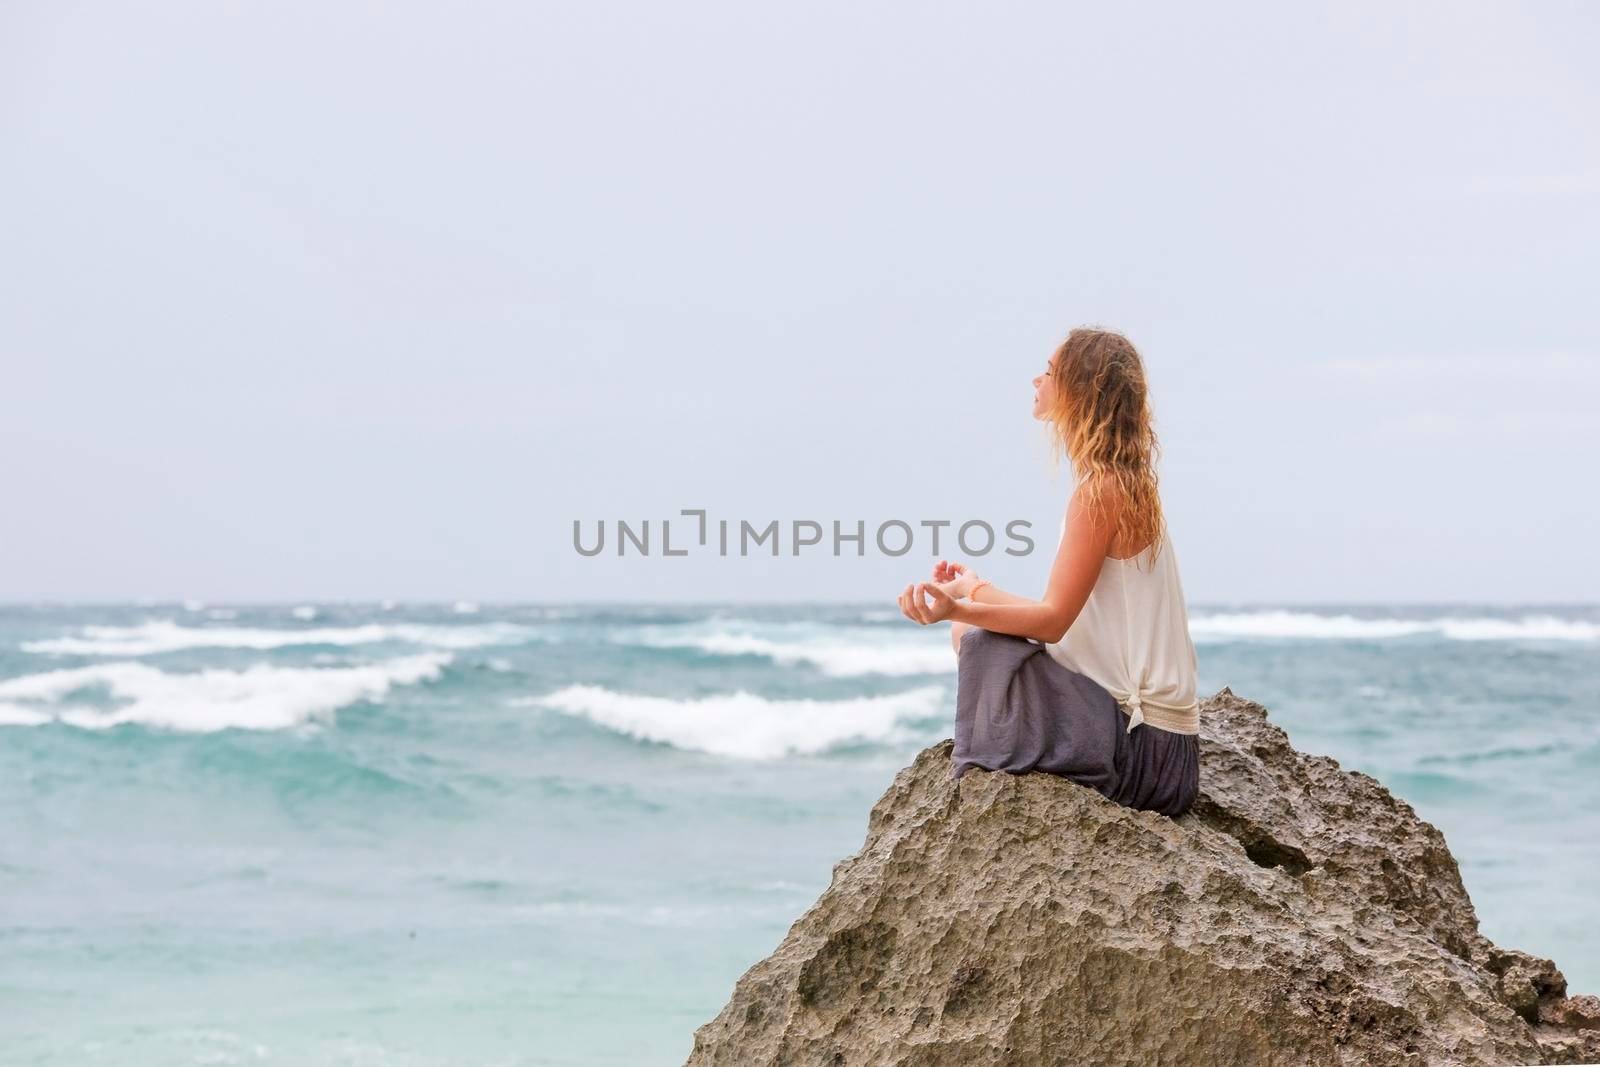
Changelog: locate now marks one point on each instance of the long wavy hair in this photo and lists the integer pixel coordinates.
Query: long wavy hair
(1101, 419)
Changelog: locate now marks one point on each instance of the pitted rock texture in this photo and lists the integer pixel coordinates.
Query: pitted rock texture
(1299, 914)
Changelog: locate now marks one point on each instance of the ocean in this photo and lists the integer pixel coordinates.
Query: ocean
(400, 834)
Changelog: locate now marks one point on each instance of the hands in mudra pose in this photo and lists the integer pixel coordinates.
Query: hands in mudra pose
(951, 582)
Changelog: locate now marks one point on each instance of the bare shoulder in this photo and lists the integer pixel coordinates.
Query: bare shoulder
(1092, 516)
(1101, 506)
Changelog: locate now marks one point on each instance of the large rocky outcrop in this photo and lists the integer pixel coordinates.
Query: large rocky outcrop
(1300, 914)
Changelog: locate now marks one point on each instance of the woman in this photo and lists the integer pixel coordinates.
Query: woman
(1096, 680)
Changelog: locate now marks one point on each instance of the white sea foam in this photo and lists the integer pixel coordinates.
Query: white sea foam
(744, 725)
(164, 635)
(305, 612)
(256, 698)
(854, 651)
(1248, 625)
(837, 654)
(17, 715)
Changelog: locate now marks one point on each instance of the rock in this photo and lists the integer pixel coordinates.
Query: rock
(1299, 914)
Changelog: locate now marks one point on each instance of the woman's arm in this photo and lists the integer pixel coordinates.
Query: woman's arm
(993, 594)
(1077, 565)
(1076, 568)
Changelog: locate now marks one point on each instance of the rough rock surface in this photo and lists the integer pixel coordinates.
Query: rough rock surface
(1299, 914)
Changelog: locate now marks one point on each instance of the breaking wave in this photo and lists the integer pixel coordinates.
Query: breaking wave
(1309, 625)
(842, 655)
(256, 698)
(746, 726)
(162, 635)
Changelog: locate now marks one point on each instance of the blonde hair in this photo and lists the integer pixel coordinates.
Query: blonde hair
(1101, 418)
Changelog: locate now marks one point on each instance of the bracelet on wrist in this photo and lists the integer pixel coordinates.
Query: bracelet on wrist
(972, 594)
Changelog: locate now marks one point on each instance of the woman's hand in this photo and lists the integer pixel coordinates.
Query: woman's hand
(914, 607)
(954, 578)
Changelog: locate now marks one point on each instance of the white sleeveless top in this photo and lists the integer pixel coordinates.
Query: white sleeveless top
(1132, 637)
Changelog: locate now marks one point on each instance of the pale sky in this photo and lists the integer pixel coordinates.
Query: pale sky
(313, 301)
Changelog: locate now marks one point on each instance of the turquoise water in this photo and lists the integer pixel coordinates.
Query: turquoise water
(429, 835)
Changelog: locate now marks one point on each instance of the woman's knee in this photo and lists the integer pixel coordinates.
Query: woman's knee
(956, 630)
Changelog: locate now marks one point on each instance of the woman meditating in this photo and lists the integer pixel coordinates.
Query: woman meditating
(1096, 680)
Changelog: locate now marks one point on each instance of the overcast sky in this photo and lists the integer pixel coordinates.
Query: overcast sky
(308, 301)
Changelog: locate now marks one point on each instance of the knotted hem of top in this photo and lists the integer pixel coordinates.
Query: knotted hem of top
(1176, 718)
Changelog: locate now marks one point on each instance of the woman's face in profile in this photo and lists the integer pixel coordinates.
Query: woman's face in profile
(1044, 390)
